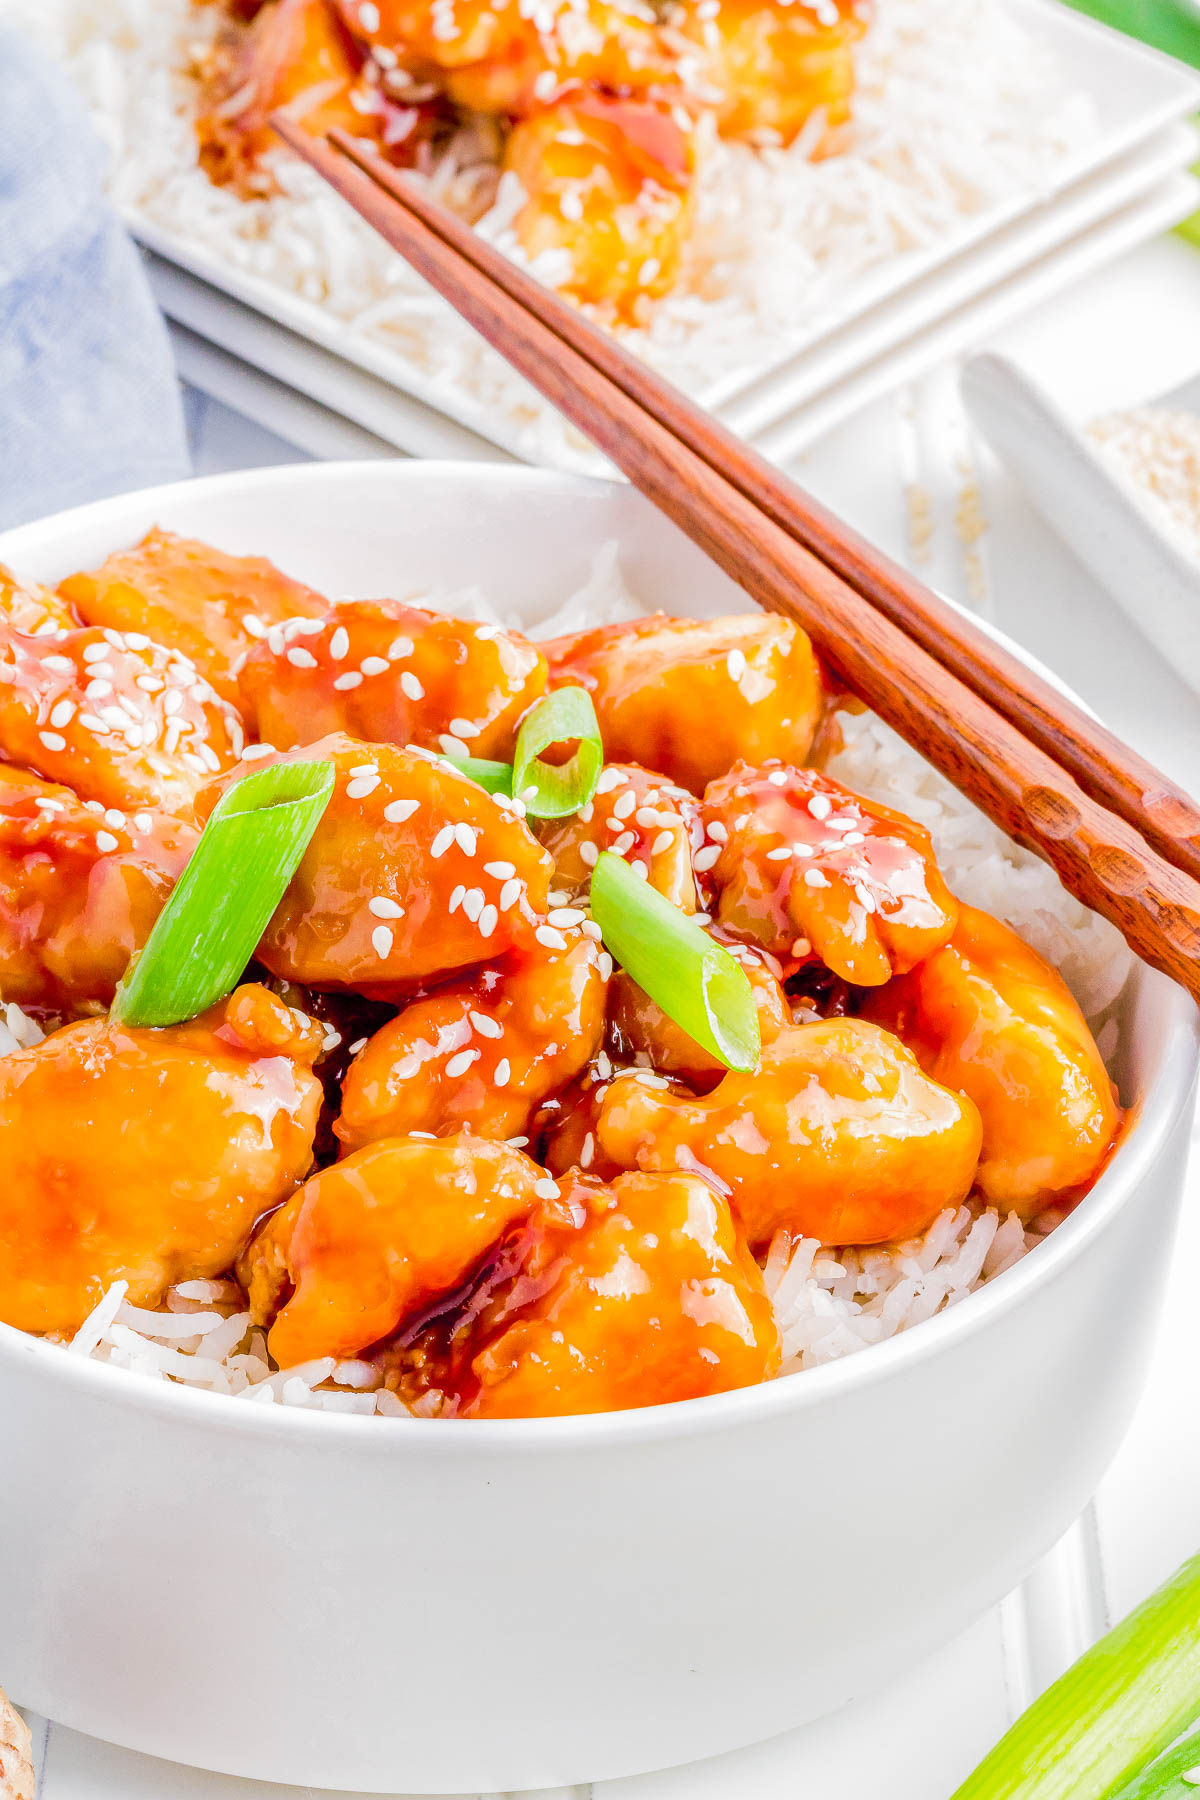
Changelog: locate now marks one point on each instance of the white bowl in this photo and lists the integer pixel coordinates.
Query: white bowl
(438, 1606)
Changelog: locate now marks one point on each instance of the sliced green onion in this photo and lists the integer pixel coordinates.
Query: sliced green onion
(496, 777)
(221, 904)
(1168, 1778)
(553, 790)
(1113, 1711)
(696, 983)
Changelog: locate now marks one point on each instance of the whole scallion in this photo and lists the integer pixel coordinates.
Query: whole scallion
(1111, 1714)
(554, 790)
(220, 906)
(695, 982)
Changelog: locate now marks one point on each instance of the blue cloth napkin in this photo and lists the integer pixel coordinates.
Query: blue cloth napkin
(89, 400)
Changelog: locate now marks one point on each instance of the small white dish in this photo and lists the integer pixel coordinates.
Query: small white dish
(1097, 514)
(455, 1606)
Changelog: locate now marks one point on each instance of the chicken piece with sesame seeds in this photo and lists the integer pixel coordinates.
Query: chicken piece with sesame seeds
(513, 56)
(205, 603)
(769, 66)
(989, 1018)
(393, 674)
(611, 1296)
(117, 718)
(372, 1240)
(291, 53)
(369, 907)
(80, 889)
(811, 871)
(692, 697)
(838, 1135)
(639, 816)
(483, 1054)
(610, 188)
(145, 1156)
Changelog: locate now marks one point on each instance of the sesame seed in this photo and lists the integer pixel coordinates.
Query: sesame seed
(466, 837)
(587, 1152)
(90, 722)
(452, 746)
(52, 740)
(502, 871)
(397, 812)
(253, 626)
(662, 843)
(462, 728)
(778, 778)
(301, 659)
(360, 769)
(735, 662)
(591, 930)
(173, 702)
(358, 790)
(106, 841)
(91, 653)
(410, 686)
(473, 902)
(717, 832)
(486, 1026)
(855, 837)
(815, 879)
(639, 869)
(606, 966)
(708, 858)
(489, 918)
(442, 842)
(780, 854)
(399, 648)
(458, 1065)
(135, 640)
(865, 897)
(566, 916)
(344, 683)
(549, 938)
(63, 713)
(62, 665)
(115, 819)
(609, 778)
(208, 757)
(589, 855)
(255, 752)
(820, 806)
(625, 842)
(381, 940)
(368, 15)
(143, 821)
(383, 908)
(457, 898)
(374, 665)
(546, 1189)
(339, 644)
(624, 804)
(501, 1073)
(359, 1044)
(510, 893)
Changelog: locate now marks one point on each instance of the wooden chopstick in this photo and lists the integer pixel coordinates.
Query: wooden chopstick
(1100, 856)
(1159, 809)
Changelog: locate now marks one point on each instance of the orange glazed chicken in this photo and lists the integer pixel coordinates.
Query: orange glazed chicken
(398, 1015)
(601, 111)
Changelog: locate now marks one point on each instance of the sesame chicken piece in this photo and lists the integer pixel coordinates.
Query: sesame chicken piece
(372, 1240)
(694, 696)
(292, 53)
(770, 65)
(80, 888)
(112, 715)
(811, 871)
(379, 901)
(28, 607)
(210, 606)
(839, 1135)
(634, 1294)
(639, 816)
(145, 1156)
(393, 674)
(989, 1018)
(511, 56)
(483, 1054)
(609, 184)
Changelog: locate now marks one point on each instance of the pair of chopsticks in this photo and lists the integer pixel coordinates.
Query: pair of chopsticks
(1123, 838)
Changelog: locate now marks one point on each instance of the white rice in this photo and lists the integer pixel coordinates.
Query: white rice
(959, 114)
(829, 1302)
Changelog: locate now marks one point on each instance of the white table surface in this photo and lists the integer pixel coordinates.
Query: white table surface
(1126, 335)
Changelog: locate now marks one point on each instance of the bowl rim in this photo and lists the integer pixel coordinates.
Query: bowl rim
(737, 1409)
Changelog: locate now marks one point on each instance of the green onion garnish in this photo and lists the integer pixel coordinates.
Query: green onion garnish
(221, 904)
(1113, 1711)
(1167, 1779)
(496, 777)
(696, 983)
(553, 790)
